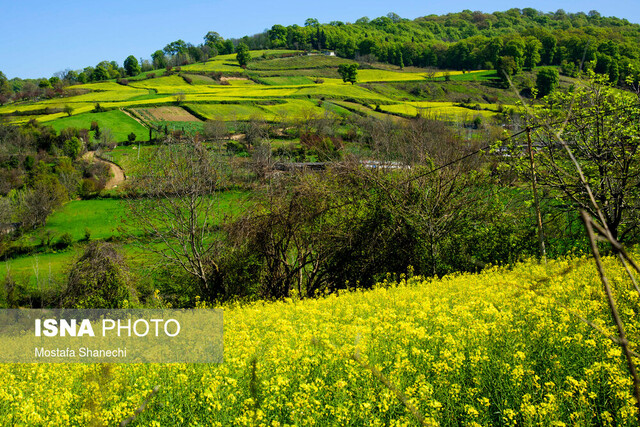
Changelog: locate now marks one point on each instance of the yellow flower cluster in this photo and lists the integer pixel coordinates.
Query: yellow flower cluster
(503, 347)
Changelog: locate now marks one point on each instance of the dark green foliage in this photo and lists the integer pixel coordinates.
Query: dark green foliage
(546, 81)
(131, 66)
(68, 109)
(506, 67)
(65, 241)
(348, 72)
(98, 279)
(72, 147)
(243, 55)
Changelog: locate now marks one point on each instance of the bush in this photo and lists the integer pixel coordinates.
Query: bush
(65, 241)
(98, 279)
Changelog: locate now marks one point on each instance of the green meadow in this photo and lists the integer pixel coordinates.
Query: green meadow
(104, 219)
(118, 122)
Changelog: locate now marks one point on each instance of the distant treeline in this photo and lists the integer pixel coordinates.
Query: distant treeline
(473, 40)
(509, 41)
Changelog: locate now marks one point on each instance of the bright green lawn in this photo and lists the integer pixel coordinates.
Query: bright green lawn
(119, 123)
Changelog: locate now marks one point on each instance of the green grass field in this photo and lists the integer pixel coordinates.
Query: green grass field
(104, 218)
(119, 123)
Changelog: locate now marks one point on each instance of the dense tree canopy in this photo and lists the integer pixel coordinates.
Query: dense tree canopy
(508, 41)
(131, 66)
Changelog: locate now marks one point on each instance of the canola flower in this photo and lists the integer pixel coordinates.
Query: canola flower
(485, 349)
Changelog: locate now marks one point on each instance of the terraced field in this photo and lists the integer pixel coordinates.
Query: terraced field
(275, 85)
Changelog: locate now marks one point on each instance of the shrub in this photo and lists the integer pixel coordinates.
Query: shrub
(65, 241)
(98, 279)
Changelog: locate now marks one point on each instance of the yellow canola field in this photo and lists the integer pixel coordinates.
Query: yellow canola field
(502, 347)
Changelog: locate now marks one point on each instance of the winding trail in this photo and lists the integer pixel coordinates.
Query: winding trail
(118, 174)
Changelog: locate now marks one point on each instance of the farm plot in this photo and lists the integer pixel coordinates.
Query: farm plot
(230, 112)
(299, 62)
(165, 113)
(198, 79)
(438, 110)
(169, 85)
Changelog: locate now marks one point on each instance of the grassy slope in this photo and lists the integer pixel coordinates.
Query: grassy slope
(281, 78)
(119, 123)
(489, 349)
(103, 217)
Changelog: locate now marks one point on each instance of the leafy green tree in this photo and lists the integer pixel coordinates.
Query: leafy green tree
(243, 55)
(226, 47)
(5, 89)
(131, 66)
(547, 81)
(506, 67)
(99, 73)
(72, 147)
(176, 47)
(68, 109)
(159, 60)
(515, 48)
(277, 36)
(212, 38)
(311, 22)
(532, 52)
(601, 126)
(348, 72)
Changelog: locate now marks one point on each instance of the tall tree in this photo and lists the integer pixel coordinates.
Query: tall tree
(601, 126)
(348, 72)
(159, 59)
(546, 81)
(178, 215)
(243, 55)
(131, 66)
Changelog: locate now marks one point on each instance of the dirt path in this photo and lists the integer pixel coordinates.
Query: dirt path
(117, 172)
(134, 117)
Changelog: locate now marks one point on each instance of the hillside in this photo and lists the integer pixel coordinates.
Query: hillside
(504, 347)
(273, 90)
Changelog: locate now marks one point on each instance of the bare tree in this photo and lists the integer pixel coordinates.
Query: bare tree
(174, 206)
